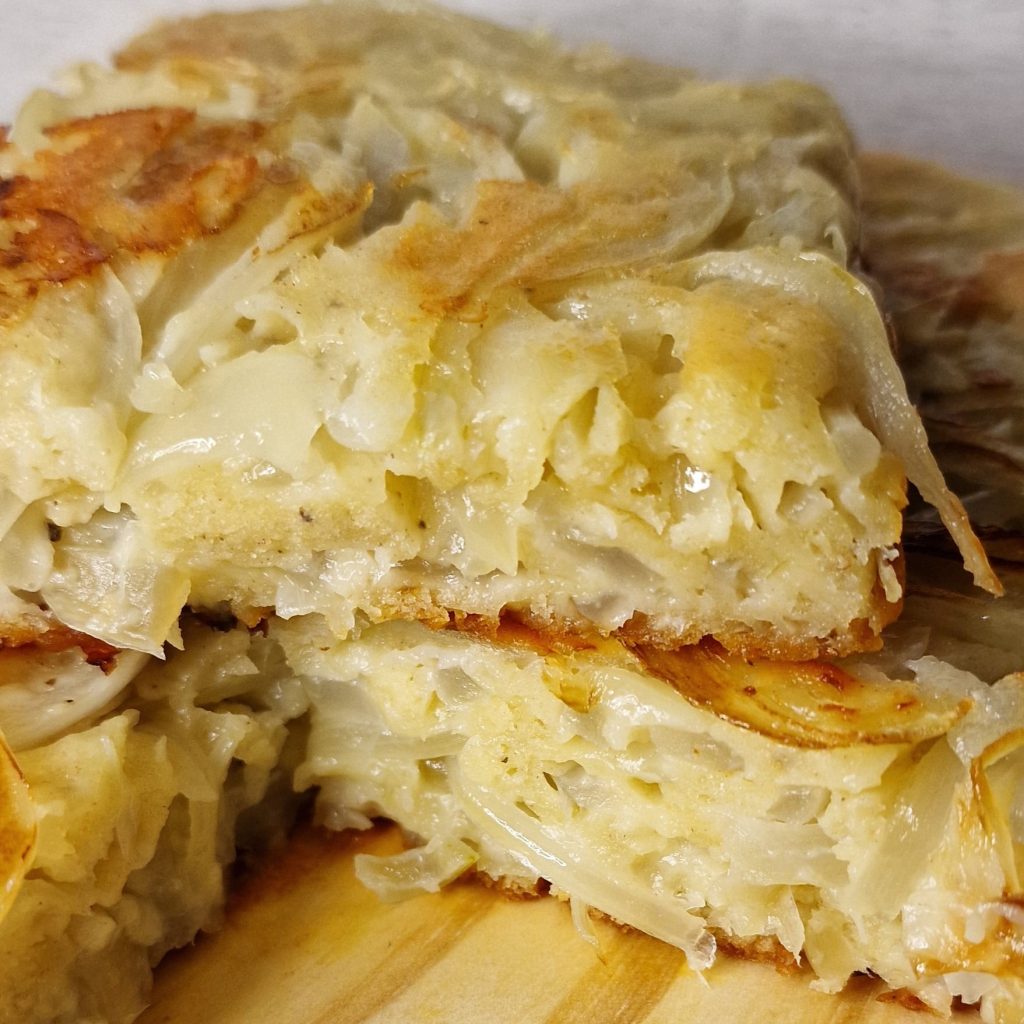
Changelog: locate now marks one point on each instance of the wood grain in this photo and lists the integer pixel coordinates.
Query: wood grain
(305, 943)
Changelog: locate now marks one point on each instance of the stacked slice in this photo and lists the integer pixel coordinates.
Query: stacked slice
(420, 318)
(520, 441)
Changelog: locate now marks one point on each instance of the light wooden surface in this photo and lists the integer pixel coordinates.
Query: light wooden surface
(304, 943)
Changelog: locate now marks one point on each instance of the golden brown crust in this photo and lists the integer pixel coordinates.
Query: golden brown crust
(509, 888)
(813, 704)
(135, 181)
(861, 635)
(151, 180)
(526, 234)
(762, 949)
(547, 634)
(512, 630)
(47, 635)
(901, 997)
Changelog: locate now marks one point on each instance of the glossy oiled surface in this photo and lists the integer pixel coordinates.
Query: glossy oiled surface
(304, 943)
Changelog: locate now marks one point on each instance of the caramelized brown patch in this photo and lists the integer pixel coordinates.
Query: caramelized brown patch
(768, 643)
(901, 997)
(524, 234)
(49, 636)
(503, 227)
(547, 634)
(999, 953)
(762, 949)
(130, 182)
(511, 630)
(801, 704)
(995, 790)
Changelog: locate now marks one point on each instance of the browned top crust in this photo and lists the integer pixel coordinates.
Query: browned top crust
(129, 182)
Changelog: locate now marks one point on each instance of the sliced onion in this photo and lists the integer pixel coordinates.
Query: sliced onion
(421, 869)
(582, 923)
(869, 368)
(45, 694)
(564, 861)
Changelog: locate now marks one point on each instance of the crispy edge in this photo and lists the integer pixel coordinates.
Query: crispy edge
(548, 633)
(116, 185)
(47, 635)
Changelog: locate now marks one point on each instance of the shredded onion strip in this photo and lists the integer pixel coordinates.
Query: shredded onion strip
(870, 368)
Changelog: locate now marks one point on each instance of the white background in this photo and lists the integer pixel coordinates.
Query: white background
(937, 78)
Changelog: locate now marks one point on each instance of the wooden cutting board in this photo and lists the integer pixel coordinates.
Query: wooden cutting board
(305, 943)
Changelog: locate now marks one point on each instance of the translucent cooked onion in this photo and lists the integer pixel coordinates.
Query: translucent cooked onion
(139, 814)
(580, 872)
(582, 923)
(421, 869)
(970, 986)
(44, 695)
(870, 368)
(915, 827)
(998, 713)
(138, 611)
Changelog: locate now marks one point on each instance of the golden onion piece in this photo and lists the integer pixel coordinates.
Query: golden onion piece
(811, 704)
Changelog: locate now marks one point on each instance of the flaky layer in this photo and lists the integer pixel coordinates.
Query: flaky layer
(420, 317)
(137, 813)
(856, 816)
